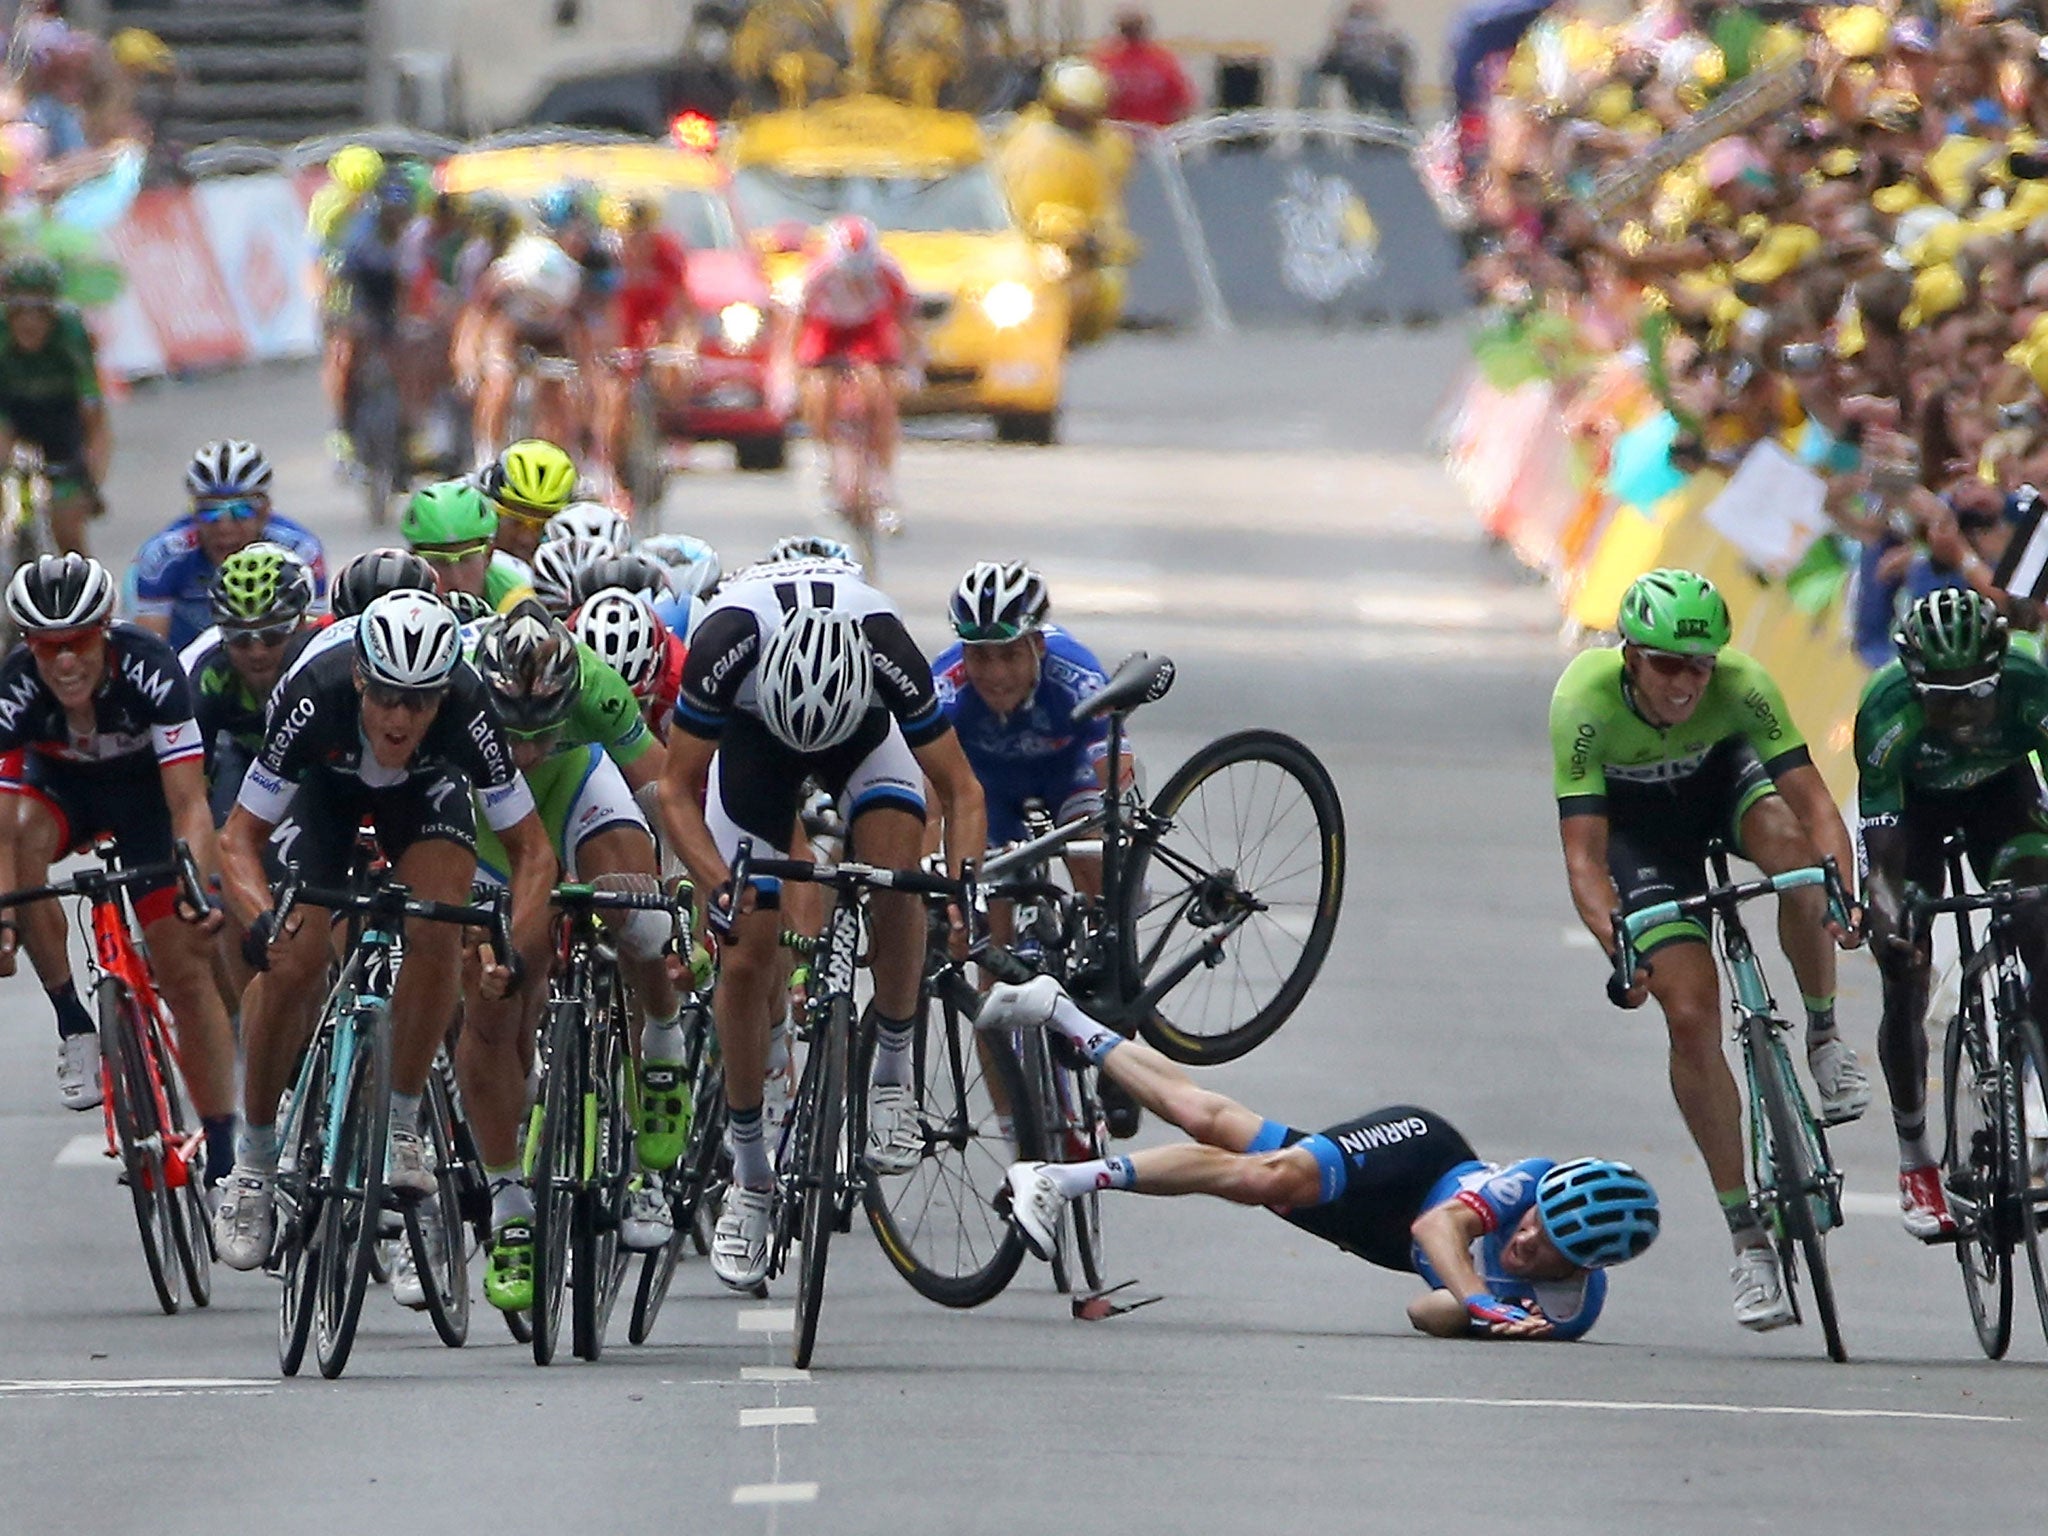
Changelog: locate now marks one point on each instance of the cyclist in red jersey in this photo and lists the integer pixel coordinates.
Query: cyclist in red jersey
(855, 307)
(654, 310)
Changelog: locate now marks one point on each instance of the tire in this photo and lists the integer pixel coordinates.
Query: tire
(556, 1160)
(1048, 1127)
(377, 433)
(1971, 1160)
(1086, 1212)
(600, 1263)
(352, 1212)
(1036, 429)
(138, 1137)
(1187, 886)
(1798, 1165)
(298, 1216)
(435, 1228)
(936, 1224)
(690, 1191)
(194, 1223)
(764, 454)
(2029, 1067)
(824, 1108)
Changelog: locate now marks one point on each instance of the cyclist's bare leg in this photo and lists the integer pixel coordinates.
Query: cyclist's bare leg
(1774, 841)
(495, 380)
(276, 1021)
(639, 935)
(749, 977)
(814, 401)
(181, 954)
(555, 417)
(35, 837)
(891, 839)
(68, 517)
(881, 387)
(1902, 1025)
(493, 1054)
(1683, 981)
(429, 981)
(1213, 1119)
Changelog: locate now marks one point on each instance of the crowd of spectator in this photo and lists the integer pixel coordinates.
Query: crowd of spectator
(71, 100)
(1862, 276)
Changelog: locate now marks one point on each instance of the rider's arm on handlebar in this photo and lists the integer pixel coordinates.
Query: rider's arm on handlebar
(1806, 793)
(1585, 862)
(960, 799)
(532, 880)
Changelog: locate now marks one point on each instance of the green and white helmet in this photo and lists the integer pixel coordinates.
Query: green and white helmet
(261, 583)
(1678, 611)
(1952, 630)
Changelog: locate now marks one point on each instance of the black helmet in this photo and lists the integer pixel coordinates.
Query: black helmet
(373, 573)
(631, 572)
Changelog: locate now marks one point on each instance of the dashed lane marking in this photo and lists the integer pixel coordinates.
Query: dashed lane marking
(763, 1418)
(773, 1373)
(775, 1493)
(137, 1386)
(766, 1320)
(1595, 1405)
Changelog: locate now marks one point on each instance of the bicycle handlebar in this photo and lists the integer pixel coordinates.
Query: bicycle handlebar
(1629, 927)
(747, 870)
(97, 884)
(2000, 898)
(397, 901)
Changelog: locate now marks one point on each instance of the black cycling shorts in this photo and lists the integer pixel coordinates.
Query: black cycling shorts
(1658, 835)
(1383, 1165)
(57, 428)
(325, 814)
(2000, 819)
(761, 781)
(123, 800)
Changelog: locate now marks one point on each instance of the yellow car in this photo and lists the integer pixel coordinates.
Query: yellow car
(991, 302)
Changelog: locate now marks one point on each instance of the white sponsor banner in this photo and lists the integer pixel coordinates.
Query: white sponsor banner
(1771, 509)
(257, 228)
(124, 339)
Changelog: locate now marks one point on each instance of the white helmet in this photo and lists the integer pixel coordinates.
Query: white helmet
(693, 565)
(408, 640)
(810, 546)
(556, 564)
(60, 592)
(816, 679)
(996, 603)
(227, 467)
(621, 627)
(593, 522)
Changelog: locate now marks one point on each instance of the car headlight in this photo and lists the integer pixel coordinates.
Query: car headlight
(741, 324)
(788, 290)
(1008, 305)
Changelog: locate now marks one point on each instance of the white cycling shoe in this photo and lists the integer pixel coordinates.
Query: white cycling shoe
(406, 1171)
(647, 1222)
(1020, 1005)
(739, 1244)
(1843, 1084)
(1760, 1300)
(895, 1138)
(407, 1289)
(1034, 1203)
(245, 1222)
(78, 1071)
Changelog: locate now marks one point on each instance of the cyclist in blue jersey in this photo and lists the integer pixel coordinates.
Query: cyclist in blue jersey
(170, 584)
(1010, 686)
(1508, 1250)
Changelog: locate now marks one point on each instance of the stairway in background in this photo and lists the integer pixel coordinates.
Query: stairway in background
(272, 73)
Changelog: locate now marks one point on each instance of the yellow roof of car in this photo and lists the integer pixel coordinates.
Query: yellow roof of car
(617, 167)
(861, 135)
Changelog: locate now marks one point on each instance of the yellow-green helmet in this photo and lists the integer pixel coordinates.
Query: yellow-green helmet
(356, 168)
(1677, 611)
(449, 512)
(261, 584)
(532, 476)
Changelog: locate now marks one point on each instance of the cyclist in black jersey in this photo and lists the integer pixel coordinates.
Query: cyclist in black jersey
(97, 737)
(50, 395)
(383, 720)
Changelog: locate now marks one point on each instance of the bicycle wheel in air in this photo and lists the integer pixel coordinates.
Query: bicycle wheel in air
(138, 1137)
(352, 1215)
(194, 1222)
(2029, 1152)
(936, 1223)
(1972, 1165)
(1797, 1183)
(819, 1149)
(600, 1261)
(434, 1227)
(1230, 912)
(554, 1151)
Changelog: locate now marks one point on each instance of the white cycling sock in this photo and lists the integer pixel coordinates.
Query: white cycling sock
(1075, 1179)
(750, 1166)
(892, 1053)
(1091, 1039)
(256, 1147)
(662, 1039)
(405, 1111)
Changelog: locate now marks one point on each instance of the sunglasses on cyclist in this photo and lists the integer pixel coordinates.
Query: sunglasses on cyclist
(1671, 664)
(451, 554)
(236, 508)
(520, 513)
(268, 634)
(45, 644)
(987, 634)
(1976, 688)
(414, 701)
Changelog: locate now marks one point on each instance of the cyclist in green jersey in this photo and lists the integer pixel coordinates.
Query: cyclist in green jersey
(50, 396)
(1943, 738)
(451, 526)
(1663, 746)
(578, 738)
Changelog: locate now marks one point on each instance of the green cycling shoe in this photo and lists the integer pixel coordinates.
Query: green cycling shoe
(664, 1129)
(508, 1272)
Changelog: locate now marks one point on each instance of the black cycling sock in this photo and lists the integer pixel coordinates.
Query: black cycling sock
(72, 1019)
(220, 1147)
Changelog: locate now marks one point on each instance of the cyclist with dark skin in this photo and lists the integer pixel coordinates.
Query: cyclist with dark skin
(1944, 738)
(50, 395)
(1664, 746)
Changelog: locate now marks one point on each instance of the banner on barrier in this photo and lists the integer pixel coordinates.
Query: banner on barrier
(257, 229)
(163, 246)
(1772, 510)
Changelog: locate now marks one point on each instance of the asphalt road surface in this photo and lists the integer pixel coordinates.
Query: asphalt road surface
(1267, 511)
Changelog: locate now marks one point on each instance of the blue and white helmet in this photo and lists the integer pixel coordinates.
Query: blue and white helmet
(227, 467)
(1597, 1213)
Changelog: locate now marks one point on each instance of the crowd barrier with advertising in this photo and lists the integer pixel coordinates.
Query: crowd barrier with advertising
(1576, 482)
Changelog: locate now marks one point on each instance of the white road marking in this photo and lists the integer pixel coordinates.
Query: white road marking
(775, 1493)
(762, 1418)
(1576, 937)
(766, 1320)
(773, 1373)
(137, 1386)
(1597, 1405)
(1859, 1204)
(83, 1152)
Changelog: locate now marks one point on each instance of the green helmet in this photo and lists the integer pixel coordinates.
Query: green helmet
(1675, 611)
(261, 584)
(450, 512)
(1952, 630)
(32, 277)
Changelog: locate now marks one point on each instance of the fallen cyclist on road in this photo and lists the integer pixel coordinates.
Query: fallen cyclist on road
(1509, 1250)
